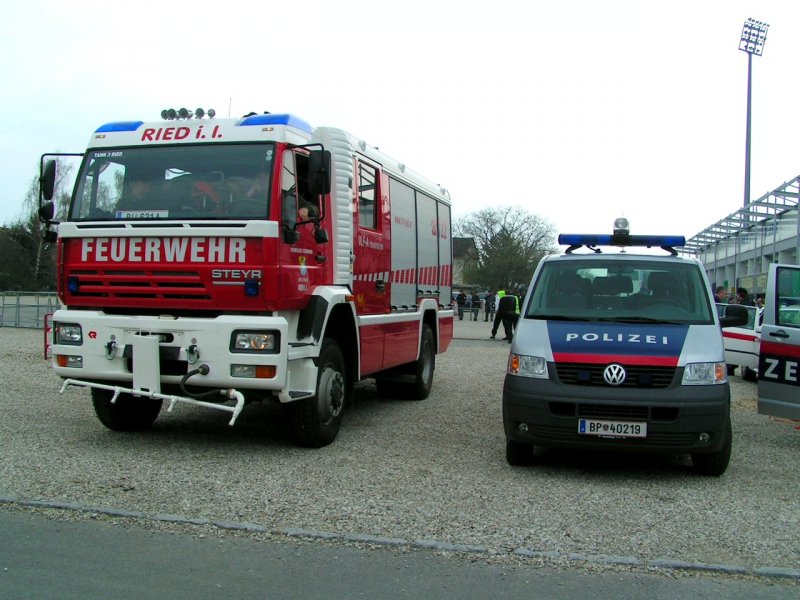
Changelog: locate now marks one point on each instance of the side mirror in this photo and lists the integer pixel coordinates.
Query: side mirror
(319, 172)
(47, 180)
(735, 316)
(47, 211)
(321, 236)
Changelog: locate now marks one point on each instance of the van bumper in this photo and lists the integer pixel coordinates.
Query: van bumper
(546, 413)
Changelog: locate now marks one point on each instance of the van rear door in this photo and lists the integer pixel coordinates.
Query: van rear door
(779, 361)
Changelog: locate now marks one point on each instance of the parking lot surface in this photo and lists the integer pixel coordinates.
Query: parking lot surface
(428, 474)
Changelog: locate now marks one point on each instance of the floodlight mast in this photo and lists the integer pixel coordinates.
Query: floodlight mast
(754, 36)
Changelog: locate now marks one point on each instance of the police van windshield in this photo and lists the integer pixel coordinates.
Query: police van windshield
(177, 182)
(629, 290)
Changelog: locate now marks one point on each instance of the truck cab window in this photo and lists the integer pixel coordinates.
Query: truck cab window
(367, 196)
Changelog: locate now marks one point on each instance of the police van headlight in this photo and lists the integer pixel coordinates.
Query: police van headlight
(527, 366)
(704, 373)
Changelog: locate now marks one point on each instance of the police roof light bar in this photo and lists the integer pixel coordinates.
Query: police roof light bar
(622, 239)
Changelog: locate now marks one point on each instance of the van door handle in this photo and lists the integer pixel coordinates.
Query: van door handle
(779, 334)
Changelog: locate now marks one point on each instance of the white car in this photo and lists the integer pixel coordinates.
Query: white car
(742, 343)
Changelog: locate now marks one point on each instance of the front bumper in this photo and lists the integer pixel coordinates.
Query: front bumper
(546, 413)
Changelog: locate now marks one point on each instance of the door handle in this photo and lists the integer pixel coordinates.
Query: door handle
(779, 334)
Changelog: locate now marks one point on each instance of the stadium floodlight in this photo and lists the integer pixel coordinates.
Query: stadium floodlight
(754, 36)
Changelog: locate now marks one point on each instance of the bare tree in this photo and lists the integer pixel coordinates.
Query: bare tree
(510, 243)
(28, 232)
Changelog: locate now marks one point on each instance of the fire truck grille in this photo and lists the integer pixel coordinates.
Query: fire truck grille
(636, 376)
(151, 284)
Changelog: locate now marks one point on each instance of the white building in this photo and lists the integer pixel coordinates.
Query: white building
(738, 249)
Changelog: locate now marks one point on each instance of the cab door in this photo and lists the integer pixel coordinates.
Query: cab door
(779, 361)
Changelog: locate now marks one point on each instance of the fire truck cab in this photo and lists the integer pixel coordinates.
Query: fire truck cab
(215, 262)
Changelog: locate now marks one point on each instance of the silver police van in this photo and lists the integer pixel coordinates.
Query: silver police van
(622, 351)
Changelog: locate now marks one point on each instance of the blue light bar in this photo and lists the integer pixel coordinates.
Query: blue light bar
(283, 119)
(583, 239)
(120, 126)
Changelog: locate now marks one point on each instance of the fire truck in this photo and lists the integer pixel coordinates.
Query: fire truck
(215, 262)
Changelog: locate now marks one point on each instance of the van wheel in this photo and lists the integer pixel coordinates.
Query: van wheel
(316, 420)
(749, 374)
(715, 463)
(519, 454)
(127, 413)
(424, 366)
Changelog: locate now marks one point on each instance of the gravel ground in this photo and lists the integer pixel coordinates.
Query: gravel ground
(419, 471)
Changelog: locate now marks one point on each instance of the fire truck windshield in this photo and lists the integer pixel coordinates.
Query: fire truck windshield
(213, 181)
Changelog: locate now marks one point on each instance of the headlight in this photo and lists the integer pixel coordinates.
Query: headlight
(254, 341)
(527, 366)
(67, 333)
(704, 373)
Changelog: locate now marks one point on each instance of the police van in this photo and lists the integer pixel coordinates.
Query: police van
(620, 351)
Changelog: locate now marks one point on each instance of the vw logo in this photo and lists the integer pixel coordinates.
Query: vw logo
(614, 374)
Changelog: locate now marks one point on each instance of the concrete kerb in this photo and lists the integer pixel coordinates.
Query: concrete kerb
(655, 565)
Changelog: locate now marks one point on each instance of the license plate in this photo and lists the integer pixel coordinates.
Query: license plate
(619, 429)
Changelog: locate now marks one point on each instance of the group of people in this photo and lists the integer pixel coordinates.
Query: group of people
(742, 296)
(501, 307)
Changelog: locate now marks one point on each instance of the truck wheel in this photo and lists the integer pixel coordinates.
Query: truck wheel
(316, 421)
(127, 413)
(424, 366)
(519, 454)
(715, 463)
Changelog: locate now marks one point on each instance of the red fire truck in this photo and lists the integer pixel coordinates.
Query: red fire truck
(215, 262)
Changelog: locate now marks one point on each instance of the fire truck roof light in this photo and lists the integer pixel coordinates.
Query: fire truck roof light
(281, 119)
(120, 126)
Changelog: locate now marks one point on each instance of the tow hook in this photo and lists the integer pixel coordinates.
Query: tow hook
(192, 354)
(111, 350)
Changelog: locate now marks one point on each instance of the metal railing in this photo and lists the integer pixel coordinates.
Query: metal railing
(26, 309)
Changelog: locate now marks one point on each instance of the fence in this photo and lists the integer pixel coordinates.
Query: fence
(26, 309)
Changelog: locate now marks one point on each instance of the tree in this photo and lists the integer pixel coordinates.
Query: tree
(510, 242)
(34, 255)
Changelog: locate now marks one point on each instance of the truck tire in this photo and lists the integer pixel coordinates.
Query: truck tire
(424, 366)
(127, 413)
(316, 420)
(519, 454)
(715, 463)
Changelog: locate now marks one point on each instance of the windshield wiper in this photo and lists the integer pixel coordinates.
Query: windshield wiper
(557, 318)
(640, 320)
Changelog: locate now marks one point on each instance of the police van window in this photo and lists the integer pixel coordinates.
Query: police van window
(621, 290)
(367, 196)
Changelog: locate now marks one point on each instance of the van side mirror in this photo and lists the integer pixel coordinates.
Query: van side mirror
(319, 172)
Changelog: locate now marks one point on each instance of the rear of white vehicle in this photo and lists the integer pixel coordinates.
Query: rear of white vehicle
(619, 352)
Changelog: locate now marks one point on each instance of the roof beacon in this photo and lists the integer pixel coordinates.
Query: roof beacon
(170, 114)
(621, 237)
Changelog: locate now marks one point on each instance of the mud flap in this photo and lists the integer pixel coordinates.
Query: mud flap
(146, 367)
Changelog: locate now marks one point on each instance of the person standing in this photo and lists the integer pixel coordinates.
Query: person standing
(498, 317)
(461, 301)
(488, 306)
(475, 306)
(508, 312)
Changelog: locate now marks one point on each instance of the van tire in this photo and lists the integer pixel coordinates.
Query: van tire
(715, 463)
(127, 413)
(749, 374)
(519, 454)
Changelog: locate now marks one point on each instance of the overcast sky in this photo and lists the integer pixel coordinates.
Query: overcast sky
(576, 111)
